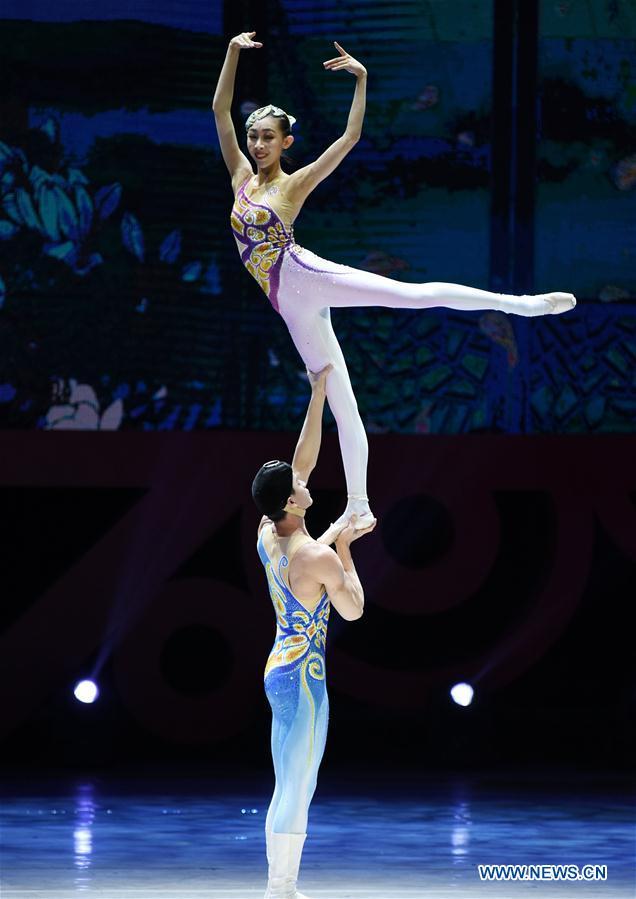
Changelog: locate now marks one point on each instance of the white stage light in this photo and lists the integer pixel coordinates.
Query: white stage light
(86, 691)
(462, 694)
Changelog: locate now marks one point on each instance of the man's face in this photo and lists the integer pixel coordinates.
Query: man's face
(302, 496)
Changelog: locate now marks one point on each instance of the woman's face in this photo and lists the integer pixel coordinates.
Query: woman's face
(265, 141)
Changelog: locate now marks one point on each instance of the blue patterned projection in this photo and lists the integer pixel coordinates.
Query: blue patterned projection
(124, 305)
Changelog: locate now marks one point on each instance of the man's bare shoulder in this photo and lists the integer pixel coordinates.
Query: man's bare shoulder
(315, 555)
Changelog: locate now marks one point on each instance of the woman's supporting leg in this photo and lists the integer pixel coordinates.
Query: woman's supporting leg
(354, 446)
(315, 340)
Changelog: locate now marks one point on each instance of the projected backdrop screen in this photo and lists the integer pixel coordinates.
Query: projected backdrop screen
(124, 304)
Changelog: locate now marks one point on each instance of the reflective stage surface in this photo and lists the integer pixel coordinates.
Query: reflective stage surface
(175, 836)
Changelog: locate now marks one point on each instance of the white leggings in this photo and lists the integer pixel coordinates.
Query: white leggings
(309, 285)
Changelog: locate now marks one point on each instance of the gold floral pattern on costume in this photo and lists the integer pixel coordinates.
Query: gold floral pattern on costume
(286, 651)
(256, 215)
(261, 260)
(277, 235)
(255, 234)
(266, 237)
(237, 224)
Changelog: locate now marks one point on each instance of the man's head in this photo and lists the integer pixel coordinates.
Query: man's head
(276, 485)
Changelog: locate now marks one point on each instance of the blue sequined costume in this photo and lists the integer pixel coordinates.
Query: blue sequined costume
(295, 687)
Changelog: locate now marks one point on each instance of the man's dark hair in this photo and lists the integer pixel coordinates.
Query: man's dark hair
(272, 487)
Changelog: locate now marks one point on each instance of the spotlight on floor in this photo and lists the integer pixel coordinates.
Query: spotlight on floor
(462, 694)
(86, 691)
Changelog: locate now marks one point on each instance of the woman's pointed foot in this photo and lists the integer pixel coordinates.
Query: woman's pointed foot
(364, 518)
(358, 505)
(559, 302)
(539, 304)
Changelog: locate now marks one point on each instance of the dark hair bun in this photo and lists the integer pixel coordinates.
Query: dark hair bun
(271, 488)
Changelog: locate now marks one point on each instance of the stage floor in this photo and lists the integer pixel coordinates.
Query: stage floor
(150, 835)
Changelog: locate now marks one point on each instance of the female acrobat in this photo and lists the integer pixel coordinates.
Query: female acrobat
(302, 286)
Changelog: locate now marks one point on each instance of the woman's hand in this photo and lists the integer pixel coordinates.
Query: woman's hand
(244, 40)
(346, 62)
(318, 379)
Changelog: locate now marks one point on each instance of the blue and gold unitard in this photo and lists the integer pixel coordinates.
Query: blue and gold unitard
(295, 686)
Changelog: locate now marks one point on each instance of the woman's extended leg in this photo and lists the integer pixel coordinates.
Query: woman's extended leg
(342, 285)
(368, 289)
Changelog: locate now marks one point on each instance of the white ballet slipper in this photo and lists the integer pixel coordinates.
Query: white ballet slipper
(560, 302)
(336, 528)
(364, 521)
(358, 505)
(537, 304)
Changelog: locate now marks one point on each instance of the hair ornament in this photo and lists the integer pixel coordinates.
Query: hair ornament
(265, 111)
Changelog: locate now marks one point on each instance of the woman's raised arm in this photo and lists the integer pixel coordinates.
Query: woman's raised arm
(236, 161)
(303, 181)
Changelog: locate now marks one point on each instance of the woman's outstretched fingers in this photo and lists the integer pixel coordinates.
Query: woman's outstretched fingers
(244, 40)
(345, 61)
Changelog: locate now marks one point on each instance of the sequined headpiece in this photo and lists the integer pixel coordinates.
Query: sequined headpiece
(265, 111)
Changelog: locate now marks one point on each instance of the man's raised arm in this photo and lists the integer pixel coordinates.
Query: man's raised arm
(308, 446)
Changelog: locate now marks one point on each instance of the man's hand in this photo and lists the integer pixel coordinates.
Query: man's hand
(318, 380)
(351, 533)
